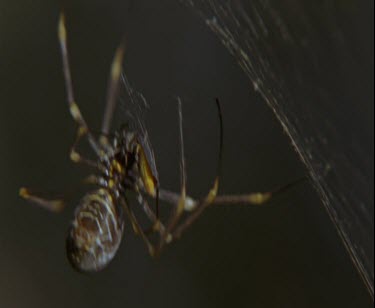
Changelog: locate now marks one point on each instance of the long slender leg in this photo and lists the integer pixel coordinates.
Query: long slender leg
(255, 198)
(179, 209)
(57, 204)
(201, 206)
(113, 86)
(73, 107)
(53, 205)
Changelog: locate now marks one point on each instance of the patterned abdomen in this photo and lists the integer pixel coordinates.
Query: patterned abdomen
(95, 233)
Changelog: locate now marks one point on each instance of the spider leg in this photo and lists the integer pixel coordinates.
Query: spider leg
(201, 206)
(53, 204)
(173, 198)
(256, 198)
(113, 87)
(57, 204)
(178, 210)
(252, 199)
(73, 107)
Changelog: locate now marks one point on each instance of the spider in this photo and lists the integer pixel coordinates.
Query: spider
(124, 164)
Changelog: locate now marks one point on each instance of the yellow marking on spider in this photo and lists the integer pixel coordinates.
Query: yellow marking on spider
(111, 183)
(61, 27)
(169, 238)
(117, 63)
(74, 110)
(151, 251)
(135, 228)
(75, 157)
(103, 140)
(115, 165)
(24, 193)
(148, 178)
(213, 192)
(102, 196)
(82, 130)
(156, 227)
(259, 198)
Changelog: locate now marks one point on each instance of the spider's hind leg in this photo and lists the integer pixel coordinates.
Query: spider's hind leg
(83, 129)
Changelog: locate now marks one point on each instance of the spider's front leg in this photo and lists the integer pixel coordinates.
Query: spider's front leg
(83, 129)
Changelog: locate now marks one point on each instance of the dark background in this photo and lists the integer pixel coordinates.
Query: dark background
(285, 255)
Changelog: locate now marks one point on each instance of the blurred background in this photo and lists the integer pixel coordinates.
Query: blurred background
(285, 255)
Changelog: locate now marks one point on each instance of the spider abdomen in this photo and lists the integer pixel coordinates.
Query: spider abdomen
(96, 232)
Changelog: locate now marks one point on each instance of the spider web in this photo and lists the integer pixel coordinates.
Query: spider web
(309, 61)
